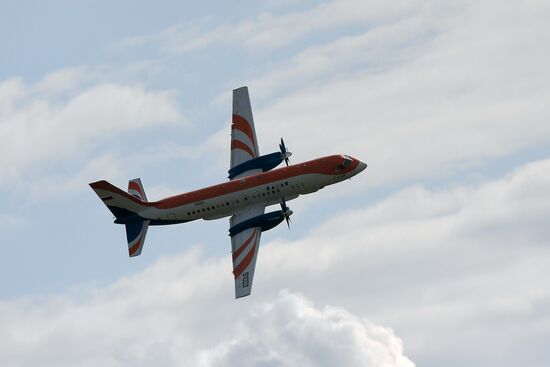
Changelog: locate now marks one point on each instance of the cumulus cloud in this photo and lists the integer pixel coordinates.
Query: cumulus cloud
(290, 331)
(156, 318)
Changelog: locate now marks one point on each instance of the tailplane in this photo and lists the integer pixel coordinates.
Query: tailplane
(126, 207)
(135, 233)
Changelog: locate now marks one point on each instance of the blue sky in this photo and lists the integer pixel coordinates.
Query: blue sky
(437, 254)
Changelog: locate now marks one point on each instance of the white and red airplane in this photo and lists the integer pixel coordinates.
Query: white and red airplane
(254, 184)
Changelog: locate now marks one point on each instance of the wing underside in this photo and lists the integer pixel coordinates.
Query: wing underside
(244, 144)
(245, 247)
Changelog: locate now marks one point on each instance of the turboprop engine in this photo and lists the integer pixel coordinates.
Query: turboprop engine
(265, 221)
(264, 162)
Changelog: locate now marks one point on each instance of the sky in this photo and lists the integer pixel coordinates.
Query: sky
(437, 254)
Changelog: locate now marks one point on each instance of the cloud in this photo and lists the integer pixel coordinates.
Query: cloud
(162, 316)
(290, 331)
(432, 92)
(38, 128)
(465, 264)
(65, 80)
(418, 90)
(268, 31)
(414, 100)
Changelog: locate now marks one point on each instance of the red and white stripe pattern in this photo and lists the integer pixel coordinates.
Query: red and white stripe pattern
(244, 145)
(242, 136)
(135, 188)
(136, 245)
(245, 251)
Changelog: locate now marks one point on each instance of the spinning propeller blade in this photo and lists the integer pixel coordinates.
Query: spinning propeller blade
(285, 152)
(286, 212)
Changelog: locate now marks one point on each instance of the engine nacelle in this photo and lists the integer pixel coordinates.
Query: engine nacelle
(265, 222)
(264, 162)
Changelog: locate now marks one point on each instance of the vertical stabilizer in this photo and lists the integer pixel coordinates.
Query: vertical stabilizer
(135, 188)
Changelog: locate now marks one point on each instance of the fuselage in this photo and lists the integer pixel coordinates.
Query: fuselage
(265, 188)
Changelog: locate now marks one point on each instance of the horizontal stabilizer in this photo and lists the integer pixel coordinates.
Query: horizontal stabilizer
(123, 205)
(135, 234)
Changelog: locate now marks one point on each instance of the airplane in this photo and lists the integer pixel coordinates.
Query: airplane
(253, 185)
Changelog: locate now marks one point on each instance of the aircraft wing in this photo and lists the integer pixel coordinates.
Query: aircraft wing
(244, 145)
(244, 247)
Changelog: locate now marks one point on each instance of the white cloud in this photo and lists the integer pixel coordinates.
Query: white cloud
(467, 264)
(268, 31)
(458, 273)
(36, 128)
(375, 50)
(441, 103)
(65, 80)
(109, 167)
(290, 331)
(435, 91)
(162, 316)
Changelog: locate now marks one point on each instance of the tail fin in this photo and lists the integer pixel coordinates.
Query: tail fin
(136, 188)
(126, 208)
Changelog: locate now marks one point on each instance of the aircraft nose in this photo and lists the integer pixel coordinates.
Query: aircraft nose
(361, 167)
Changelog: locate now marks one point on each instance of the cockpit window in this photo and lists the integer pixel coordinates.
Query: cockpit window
(345, 162)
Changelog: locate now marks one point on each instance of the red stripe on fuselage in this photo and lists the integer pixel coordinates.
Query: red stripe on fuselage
(325, 165)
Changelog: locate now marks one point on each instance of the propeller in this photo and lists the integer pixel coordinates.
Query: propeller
(284, 152)
(286, 212)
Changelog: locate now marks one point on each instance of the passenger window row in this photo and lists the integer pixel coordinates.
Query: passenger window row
(274, 189)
